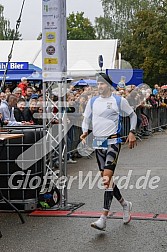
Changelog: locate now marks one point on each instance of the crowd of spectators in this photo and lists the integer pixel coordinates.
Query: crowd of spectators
(24, 105)
(19, 106)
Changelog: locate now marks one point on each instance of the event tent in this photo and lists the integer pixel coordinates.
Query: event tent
(82, 55)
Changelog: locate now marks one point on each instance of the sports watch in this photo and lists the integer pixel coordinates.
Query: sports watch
(133, 131)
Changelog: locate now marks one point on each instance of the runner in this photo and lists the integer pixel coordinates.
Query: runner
(104, 111)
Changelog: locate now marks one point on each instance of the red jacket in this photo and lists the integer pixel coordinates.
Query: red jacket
(23, 87)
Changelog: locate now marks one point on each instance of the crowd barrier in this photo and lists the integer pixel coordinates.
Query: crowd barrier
(157, 118)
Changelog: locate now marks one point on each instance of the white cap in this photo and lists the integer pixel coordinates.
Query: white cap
(23, 79)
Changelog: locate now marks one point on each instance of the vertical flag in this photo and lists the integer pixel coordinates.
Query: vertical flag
(54, 40)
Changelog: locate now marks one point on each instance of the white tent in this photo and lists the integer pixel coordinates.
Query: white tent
(82, 55)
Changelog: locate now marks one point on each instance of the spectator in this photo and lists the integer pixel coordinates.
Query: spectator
(152, 101)
(121, 86)
(19, 110)
(2, 96)
(23, 85)
(17, 92)
(156, 89)
(34, 96)
(29, 112)
(40, 97)
(39, 114)
(28, 92)
(7, 91)
(7, 108)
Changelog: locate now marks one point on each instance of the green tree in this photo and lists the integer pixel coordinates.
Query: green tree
(117, 14)
(79, 27)
(104, 28)
(145, 45)
(6, 33)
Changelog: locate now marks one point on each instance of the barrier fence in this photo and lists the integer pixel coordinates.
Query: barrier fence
(157, 119)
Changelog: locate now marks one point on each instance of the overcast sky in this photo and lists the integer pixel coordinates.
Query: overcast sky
(30, 26)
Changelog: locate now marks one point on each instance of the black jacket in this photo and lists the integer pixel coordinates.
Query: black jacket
(29, 116)
(18, 114)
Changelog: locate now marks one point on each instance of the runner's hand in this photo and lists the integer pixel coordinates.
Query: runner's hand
(132, 140)
(83, 137)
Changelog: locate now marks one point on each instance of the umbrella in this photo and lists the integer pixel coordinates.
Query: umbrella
(164, 87)
(85, 82)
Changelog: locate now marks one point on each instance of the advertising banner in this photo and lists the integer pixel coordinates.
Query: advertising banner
(14, 66)
(54, 40)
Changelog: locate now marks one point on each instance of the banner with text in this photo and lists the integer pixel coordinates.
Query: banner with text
(54, 40)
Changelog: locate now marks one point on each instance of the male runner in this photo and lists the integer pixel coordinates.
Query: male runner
(104, 111)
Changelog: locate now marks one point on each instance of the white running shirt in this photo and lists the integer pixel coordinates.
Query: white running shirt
(104, 113)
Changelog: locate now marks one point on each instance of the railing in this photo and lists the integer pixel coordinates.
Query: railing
(157, 118)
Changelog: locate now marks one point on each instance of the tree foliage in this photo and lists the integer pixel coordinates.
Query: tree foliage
(145, 45)
(117, 14)
(6, 33)
(141, 27)
(79, 27)
(104, 28)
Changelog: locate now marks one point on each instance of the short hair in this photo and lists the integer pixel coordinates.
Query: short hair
(11, 97)
(102, 77)
(29, 87)
(21, 100)
(16, 90)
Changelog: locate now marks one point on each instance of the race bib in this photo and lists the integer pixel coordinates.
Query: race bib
(100, 143)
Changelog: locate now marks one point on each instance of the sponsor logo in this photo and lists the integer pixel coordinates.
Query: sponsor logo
(49, 61)
(50, 37)
(50, 50)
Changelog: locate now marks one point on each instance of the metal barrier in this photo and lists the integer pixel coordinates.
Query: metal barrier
(157, 118)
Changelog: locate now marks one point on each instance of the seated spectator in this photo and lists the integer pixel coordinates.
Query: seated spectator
(19, 110)
(7, 108)
(28, 112)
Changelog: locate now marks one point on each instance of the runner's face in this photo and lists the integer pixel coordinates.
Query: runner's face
(103, 88)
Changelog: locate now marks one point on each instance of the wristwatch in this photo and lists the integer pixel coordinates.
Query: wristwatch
(133, 131)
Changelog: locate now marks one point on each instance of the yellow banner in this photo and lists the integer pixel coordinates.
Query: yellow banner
(50, 61)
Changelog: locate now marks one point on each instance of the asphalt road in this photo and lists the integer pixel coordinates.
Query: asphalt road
(62, 234)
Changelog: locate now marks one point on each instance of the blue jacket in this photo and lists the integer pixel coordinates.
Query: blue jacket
(8, 114)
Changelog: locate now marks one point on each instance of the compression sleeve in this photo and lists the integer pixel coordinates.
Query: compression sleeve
(85, 124)
(87, 117)
(133, 120)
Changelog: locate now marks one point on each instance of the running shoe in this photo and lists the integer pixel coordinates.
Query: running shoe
(126, 212)
(100, 224)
